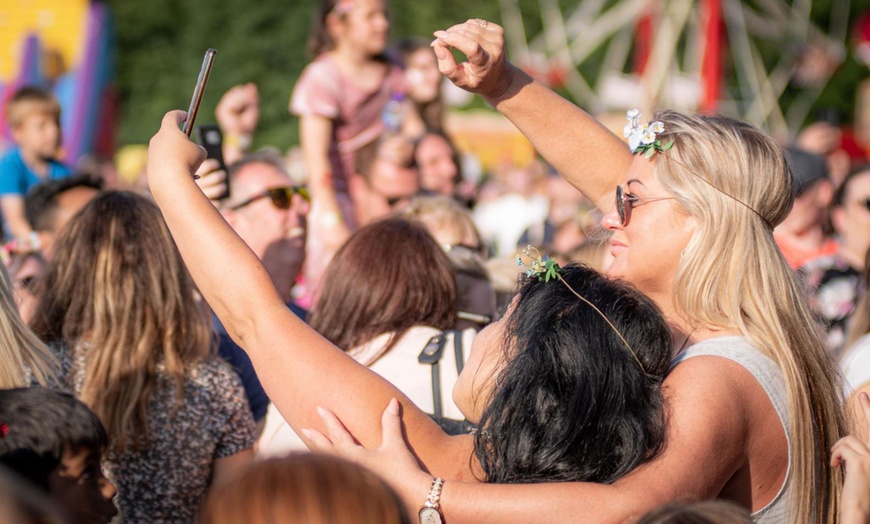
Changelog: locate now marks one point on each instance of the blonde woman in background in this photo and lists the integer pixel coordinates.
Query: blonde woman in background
(450, 224)
(23, 357)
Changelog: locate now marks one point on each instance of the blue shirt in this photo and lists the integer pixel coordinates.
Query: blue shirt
(16, 177)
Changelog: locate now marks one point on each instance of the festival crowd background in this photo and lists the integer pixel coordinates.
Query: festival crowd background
(375, 229)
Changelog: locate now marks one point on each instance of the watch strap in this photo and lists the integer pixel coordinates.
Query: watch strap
(434, 498)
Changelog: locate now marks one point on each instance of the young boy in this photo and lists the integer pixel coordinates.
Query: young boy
(55, 442)
(34, 119)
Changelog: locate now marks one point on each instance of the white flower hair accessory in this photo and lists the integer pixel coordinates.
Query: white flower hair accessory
(644, 138)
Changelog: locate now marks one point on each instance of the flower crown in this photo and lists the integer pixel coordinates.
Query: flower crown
(547, 269)
(28, 244)
(644, 138)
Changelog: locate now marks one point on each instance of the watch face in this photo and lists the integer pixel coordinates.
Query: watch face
(430, 516)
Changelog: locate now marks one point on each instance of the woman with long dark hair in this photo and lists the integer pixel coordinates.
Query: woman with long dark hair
(120, 311)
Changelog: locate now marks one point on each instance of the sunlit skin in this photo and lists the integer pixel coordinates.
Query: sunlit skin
(485, 360)
(435, 161)
(422, 75)
(365, 27)
(852, 221)
(38, 137)
(646, 250)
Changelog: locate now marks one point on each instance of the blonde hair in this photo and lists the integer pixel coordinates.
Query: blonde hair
(29, 100)
(447, 221)
(118, 288)
(305, 488)
(734, 180)
(20, 349)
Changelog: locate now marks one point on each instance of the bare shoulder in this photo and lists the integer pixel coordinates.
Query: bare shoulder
(708, 398)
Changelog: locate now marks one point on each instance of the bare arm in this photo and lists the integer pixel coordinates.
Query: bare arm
(298, 367)
(709, 406)
(225, 467)
(13, 213)
(328, 226)
(586, 153)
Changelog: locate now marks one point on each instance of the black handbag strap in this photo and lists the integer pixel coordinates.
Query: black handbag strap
(431, 354)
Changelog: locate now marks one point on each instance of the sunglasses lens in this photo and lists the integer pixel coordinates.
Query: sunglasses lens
(281, 197)
(620, 204)
(303, 192)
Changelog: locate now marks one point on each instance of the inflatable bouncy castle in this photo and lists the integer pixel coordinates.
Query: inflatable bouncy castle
(67, 47)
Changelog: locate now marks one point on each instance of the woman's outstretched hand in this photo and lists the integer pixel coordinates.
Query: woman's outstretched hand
(170, 151)
(854, 456)
(487, 71)
(393, 461)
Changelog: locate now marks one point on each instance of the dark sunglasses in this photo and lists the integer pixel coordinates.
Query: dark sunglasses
(281, 197)
(625, 202)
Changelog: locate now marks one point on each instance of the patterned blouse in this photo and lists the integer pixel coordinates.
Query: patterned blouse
(835, 289)
(168, 481)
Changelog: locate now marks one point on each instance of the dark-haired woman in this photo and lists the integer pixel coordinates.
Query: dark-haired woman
(387, 292)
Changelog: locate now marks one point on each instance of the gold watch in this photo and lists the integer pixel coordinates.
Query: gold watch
(430, 513)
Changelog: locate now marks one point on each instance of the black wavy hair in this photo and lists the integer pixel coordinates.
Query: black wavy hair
(572, 403)
(39, 425)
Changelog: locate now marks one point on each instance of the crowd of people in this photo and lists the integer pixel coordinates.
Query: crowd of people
(670, 324)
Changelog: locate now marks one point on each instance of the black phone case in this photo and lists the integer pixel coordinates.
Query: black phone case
(210, 137)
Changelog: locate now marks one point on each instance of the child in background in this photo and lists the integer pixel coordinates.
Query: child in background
(346, 98)
(34, 119)
(56, 443)
(423, 82)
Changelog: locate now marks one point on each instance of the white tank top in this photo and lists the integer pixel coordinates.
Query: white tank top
(768, 374)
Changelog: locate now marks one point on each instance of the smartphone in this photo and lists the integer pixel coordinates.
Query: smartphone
(210, 137)
(198, 91)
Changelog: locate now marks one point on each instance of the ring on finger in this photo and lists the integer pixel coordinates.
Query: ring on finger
(481, 22)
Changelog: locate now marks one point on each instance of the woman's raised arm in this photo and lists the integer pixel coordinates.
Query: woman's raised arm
(581, 149)
(299, 369)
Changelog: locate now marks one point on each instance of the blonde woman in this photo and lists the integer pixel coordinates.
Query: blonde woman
(752, 407)
(120, 311)
(23, 357)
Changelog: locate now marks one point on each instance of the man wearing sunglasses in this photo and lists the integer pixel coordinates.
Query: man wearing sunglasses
(269, 213)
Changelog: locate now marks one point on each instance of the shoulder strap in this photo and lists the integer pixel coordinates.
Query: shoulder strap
(431, 354)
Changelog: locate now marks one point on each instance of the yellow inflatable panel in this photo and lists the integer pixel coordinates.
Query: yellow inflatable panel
(59, 25)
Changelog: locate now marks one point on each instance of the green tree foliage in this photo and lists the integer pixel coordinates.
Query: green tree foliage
(161, 44)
